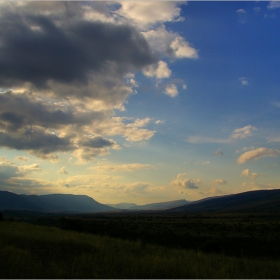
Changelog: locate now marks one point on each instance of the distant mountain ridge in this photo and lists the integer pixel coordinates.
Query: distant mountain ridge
(51, 203)
(259, 200)
(151, 206)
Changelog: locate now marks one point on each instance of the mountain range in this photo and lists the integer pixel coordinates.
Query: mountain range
(151, 206)
(254, 201)
(51, 203)
(251, 201)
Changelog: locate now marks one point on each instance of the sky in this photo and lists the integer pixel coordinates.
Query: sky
(139, 101)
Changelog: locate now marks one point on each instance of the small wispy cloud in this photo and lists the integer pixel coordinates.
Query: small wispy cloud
(220, 182)
(62, 171)
(273, 5)
(245, 172)
(122, 167)
(243, 81)
(218, 153)
(243, 132)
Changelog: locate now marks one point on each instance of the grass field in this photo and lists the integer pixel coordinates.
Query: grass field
(32, 251)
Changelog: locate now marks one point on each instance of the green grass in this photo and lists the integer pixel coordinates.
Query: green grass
(31, 251)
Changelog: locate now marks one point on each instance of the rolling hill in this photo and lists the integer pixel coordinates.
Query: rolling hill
(51, 203)
(253, 201)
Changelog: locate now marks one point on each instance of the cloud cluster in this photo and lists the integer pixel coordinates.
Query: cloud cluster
(13, 176)
(66, 67)
(185, 182)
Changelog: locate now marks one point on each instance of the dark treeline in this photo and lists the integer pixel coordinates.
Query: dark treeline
(235, 234)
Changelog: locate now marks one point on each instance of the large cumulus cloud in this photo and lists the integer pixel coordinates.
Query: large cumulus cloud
(62, 75)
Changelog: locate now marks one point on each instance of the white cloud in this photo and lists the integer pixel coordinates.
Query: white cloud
(245, 172)
(273, 5)
(244, 81)
(184, 86)
(256, 154)
(244, 132)
(242, 15)
(169, 43)
(220, 182)
(254, 175)
(159, 122)
(159, 70)
(29, 168)
(206, 162)
(182, 49)
(185, 182)
(62, 171)
(147, 14)
(171, 90)
(242, 11)
(131, 132)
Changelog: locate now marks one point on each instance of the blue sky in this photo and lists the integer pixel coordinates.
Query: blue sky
(139, 101)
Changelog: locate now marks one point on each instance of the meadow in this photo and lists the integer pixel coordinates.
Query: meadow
(36, 251)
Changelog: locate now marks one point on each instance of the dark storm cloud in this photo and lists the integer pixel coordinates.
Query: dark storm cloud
(17, 111)
(36, 140)
(97, 142)
(34, 49)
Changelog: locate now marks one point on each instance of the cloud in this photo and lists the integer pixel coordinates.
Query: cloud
(184, 86)
(159, 70)
(242, 15)
(14, 177)
(254, 176)
(242, 11)
(22, 158)
(170, 44)
(67, 67)
(244, 132)
(159, 122)
(244, 81)
(238, 133)
(203, 139)
(245, 172)
(62, 170)
(256, 154)
(147, 14)
(171, 90)
(121, 168)
(185, 182)
(218, 153)
(206, 162)
(66, 53)
(220, 182)
(273, 5)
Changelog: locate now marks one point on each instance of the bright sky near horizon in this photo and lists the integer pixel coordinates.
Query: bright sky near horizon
(139, 101)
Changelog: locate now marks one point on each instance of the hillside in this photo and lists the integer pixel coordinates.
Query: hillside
(255, 201)
(51, 203)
